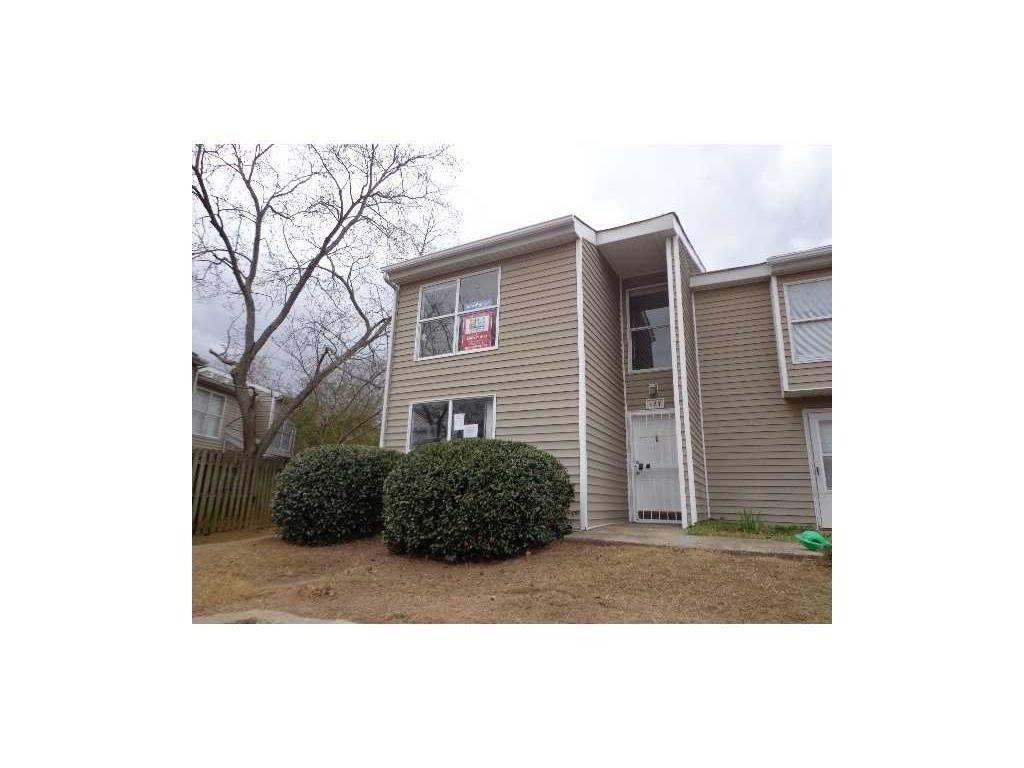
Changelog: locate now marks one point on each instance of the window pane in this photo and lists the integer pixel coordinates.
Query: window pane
(474, 416)
(648, 309)
(429, 423)
(812, 341)
(825, 431)
(436, 337)
(200, 397)
(651, 349)
(216, 406)
(477, 329)
(197, 422)
(211, 426)
(810, 299)
(438, 300)
(827, 460)
(479, 291)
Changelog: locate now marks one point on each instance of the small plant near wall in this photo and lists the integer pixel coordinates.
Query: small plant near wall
(332, 493)
(475, 500)
(750, 522)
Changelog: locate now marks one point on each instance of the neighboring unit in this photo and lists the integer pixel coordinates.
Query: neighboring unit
(216, 420)
(670, 394)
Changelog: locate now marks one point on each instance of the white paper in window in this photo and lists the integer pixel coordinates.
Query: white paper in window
(460, 420)
(469, 430)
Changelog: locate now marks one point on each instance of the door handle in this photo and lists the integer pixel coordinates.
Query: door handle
(639, 466)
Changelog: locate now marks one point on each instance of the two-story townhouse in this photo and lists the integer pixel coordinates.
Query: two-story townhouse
(217, 420)
(671, 394)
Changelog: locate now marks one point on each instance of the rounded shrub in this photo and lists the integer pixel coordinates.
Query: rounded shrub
(475, 500)
(332, 493)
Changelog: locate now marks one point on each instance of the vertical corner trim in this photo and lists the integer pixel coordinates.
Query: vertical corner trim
(679, 404)
(684, 378)
(780, 348)
(387, 374)
(581, 354)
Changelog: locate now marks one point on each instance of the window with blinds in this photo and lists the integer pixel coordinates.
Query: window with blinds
(809, 307)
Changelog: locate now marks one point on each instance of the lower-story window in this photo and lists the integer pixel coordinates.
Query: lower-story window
(439, 420)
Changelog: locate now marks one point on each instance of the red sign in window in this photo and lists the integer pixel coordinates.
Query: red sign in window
(477, 330)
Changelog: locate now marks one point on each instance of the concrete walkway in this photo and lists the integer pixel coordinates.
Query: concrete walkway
(258, 616)
(655, 535)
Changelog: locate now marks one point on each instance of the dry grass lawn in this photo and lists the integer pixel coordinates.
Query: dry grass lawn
(568, 581)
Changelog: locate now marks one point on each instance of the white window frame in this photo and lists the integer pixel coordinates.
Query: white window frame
(790, 321)
(629, 327)
(291, 441)
(220, 427)
(448, 437)
(455, 315)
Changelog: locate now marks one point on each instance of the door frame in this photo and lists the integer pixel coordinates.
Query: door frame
(809, 438)
(630, 474)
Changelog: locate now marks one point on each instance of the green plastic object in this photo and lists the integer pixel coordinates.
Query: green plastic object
(813, 540)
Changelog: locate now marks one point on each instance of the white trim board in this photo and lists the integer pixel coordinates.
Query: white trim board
(780, 348)
(581, 355)
(678, 402)
(685, 380)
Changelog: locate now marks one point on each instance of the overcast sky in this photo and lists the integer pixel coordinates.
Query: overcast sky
(738, 204)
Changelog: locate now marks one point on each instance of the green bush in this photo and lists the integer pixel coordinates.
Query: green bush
(332, 493)
(475, 500)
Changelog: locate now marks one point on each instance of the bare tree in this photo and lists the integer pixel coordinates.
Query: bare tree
(295, 236)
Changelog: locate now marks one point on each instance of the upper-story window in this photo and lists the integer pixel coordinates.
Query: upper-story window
(649, 335)
(284, 439)
(459, 315)
(207, 412)
(809, 308)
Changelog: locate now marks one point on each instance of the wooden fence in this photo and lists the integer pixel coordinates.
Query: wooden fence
(231, 491)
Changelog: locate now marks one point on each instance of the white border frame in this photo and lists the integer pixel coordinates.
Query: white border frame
(809, 439)
(631, 475)
(455, 315)
(789, 320)
(223, 413)
(492, 422)
(679, 402)
(652, 288)
(582, 384)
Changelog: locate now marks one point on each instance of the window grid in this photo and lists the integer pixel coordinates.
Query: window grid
(456, 315)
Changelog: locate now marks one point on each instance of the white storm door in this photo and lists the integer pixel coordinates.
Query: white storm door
(655, 469)
(820, 429)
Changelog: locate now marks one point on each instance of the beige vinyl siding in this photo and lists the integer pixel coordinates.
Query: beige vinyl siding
(606, 427)
(802, 375)
(756, 449)
(693, 395)
(637, 383)
(533, 373)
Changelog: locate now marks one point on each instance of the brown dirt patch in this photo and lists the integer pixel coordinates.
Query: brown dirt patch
(568, 581)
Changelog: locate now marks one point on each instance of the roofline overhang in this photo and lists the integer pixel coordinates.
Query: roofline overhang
(547, 234)
(783, 264)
